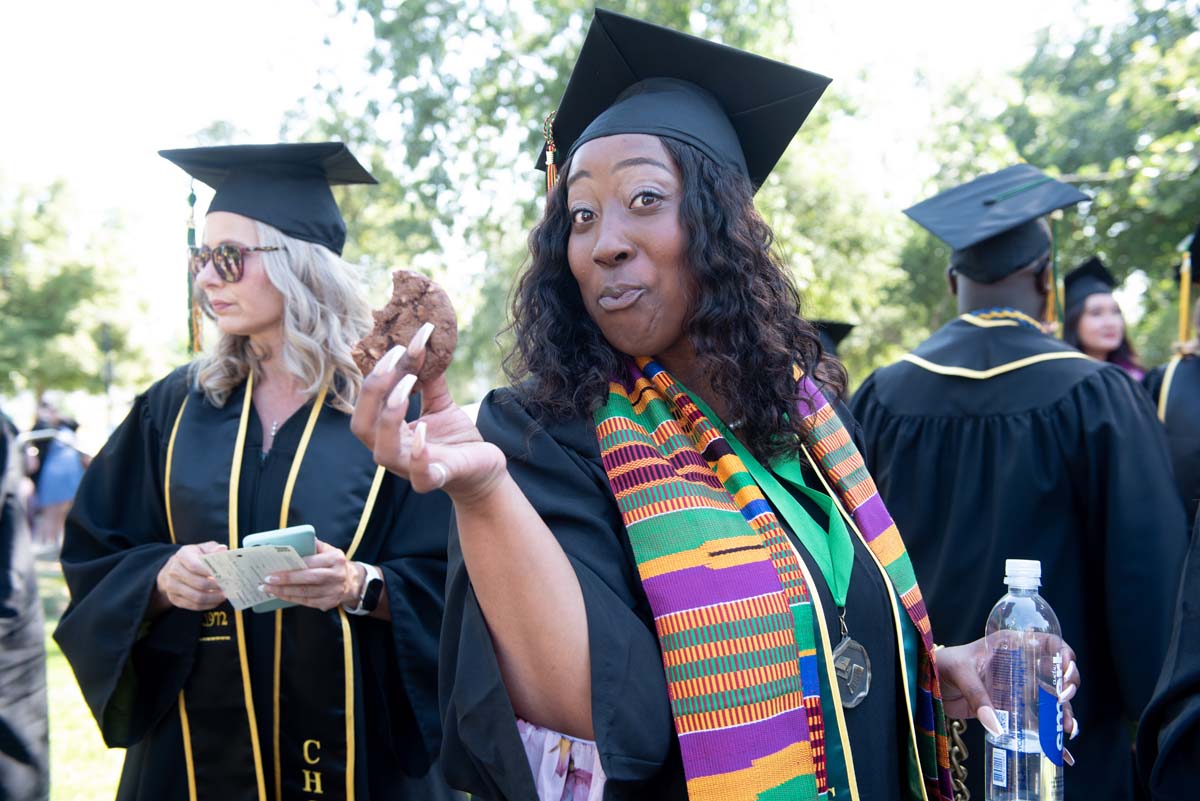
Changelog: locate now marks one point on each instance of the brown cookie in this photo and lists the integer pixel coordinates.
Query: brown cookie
(415, 300)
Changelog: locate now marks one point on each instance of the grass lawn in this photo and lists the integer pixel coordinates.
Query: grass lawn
(81, 768)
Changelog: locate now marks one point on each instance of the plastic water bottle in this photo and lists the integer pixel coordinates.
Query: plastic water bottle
(1024, 679)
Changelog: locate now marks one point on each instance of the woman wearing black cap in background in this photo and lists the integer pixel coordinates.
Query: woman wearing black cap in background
(334, 698)
(655, 591)
(1093, 320)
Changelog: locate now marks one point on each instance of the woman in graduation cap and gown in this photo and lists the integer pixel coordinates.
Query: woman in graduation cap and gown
(670, 574)
(1093, 322)
(333, 698)
(1175, 387)
(993, 440)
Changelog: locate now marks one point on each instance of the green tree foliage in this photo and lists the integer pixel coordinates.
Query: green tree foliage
(452, 125)
(1116, 110)
(1120, 109)
(51, 304)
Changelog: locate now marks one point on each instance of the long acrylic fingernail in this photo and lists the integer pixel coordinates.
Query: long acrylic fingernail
(438, 470)
(1068, 757)
(262, 587)
(1075, 731)
(987, 716)
(388, 362)
(400, 394)
(1067, 694)
(422, 336)
(418, 446)
(1071, 671)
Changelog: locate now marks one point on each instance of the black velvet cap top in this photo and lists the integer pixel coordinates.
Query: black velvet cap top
(737, 108)
(283, 185)
(1089, 278)
(832, 332)
(993, 223)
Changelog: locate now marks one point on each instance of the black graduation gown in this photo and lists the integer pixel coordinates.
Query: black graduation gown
(1181, 416)
(24, 739)
(1060, 460)
(132, 672)
(1168, 744)
(559, 469)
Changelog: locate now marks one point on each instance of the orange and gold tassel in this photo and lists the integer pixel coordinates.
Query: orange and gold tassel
(551, 167)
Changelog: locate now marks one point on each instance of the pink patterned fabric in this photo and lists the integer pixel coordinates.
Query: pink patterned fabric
(564, 769)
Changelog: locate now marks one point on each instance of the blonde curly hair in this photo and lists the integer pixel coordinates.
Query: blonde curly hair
(324, 315)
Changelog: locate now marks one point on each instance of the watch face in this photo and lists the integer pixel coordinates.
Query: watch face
(371, 594)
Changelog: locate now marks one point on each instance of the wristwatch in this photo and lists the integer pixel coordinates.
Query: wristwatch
(371, 590)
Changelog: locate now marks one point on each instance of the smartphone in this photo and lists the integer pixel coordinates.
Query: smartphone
(302, 538)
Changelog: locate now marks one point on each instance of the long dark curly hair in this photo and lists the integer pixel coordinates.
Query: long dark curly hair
(745, 326)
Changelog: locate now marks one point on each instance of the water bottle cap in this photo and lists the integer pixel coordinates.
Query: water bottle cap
(1022, 570)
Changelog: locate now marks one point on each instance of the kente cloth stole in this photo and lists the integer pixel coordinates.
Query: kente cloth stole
(733, 614)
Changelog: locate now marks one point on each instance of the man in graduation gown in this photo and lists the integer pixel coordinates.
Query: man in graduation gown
(24, 741)
(993, 440)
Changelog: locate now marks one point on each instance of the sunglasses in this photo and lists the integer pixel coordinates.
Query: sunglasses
(228, 260)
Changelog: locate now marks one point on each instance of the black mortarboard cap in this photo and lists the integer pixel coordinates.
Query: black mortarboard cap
(832, 333)
(993, 223)
(737, 108)
(1089, 278)
(283, 185)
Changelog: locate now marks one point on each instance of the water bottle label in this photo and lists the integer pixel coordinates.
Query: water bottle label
(1050, 726)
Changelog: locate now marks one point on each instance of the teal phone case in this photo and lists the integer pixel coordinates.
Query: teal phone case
(302, 538)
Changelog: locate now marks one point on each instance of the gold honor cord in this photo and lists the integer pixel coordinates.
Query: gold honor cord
(185, 728)
(288, 488)
(987, 323)
(896, 612)
(980, 375)
(1185, 294)
(347, 649)
(235, 476)
(1165, 390)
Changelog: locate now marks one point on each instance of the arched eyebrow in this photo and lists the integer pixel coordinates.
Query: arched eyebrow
(625, 164)
(575, 176)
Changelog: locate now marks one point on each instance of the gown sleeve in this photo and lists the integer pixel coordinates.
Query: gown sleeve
(116, 541)
(1136, 527)
(400, 679)
(1168, 748)
(559, 470)
(864, 408)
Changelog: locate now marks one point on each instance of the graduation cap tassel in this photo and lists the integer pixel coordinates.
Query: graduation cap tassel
(551, 167)
(195, 319)
(1054, 311)
(1185, 296)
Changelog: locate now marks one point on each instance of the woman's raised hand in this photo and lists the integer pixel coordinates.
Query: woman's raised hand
(443, 449)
